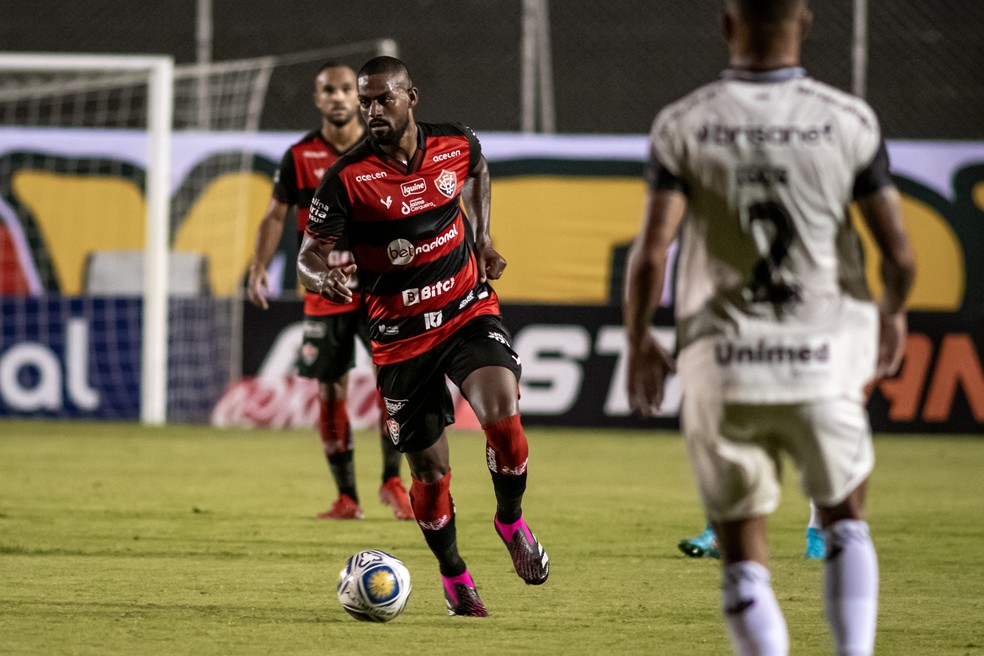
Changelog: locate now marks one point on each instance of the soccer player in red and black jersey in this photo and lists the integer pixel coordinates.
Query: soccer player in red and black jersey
(330, 329)
(420, 238)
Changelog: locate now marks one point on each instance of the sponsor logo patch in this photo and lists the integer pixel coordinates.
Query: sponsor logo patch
(319, 211)
(394, 405)
(369, 177)
(499, 337)
(436, 525)
(466, 301)
(433, 319)
(765, 135)
(387, 202)
(765, 353)
(315, 329)
(401, 251)
(446, 156)
(418, 294)
(413, 187)
(415, 205)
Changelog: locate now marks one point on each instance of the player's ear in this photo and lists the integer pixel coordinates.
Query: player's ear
(806, 22)
(414, 96)
(727, 25)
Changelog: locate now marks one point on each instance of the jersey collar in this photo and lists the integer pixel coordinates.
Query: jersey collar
(777, 75)
(410, 167)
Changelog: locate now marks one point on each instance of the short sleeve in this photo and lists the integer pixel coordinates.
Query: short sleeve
(285, 180)
(474, 146)
(871, 157)
(874, 176)
(330, 209)
(662, 170)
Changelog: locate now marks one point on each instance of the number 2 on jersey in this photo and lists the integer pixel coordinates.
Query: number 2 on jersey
(771, 228)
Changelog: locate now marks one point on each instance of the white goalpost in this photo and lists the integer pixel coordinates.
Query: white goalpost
(159, 75)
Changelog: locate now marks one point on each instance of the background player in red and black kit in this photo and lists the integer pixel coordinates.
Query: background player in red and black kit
(397, 198)
(330, 329)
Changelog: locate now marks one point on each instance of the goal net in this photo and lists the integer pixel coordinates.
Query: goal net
(129, 201)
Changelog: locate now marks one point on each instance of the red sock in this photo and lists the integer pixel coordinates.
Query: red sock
(432, 504)
(506, 448)
(336, 432)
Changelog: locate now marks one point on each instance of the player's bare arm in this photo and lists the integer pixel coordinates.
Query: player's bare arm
(316, 276)
(476, 195)
(267, 238)
(882, 213)
(649, 363)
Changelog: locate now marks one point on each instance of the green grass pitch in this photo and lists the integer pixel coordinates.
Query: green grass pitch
(122, 539)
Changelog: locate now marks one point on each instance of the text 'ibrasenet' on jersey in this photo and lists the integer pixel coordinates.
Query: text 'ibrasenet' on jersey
(406, 229)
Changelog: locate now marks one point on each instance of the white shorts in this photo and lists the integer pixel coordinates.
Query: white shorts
(735, 451)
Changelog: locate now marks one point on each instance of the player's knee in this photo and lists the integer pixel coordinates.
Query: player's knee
(506, 447)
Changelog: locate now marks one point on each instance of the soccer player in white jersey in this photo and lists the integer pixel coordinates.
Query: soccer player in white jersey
(776, 336)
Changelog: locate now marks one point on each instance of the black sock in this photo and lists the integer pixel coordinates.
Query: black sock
(509, 492)
(342, 469)
(391, 458)
(444, 544)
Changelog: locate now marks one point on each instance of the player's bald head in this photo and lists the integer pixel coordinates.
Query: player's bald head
(390, 67)
(765, 12)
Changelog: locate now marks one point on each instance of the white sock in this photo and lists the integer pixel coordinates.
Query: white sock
(755, 623)
(850, 587)
(814, 517)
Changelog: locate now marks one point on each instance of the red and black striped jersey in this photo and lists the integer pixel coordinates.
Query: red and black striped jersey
(408, 233)
(294, 183)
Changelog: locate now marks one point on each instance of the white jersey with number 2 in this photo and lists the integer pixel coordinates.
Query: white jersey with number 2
(770, 299)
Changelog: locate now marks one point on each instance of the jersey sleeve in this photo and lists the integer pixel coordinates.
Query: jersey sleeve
(662, 169)
(874, 176)
(285, 180)
(871, 166)
(474, 146)
(330, 209)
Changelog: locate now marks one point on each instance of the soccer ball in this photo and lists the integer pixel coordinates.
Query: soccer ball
(374, 586)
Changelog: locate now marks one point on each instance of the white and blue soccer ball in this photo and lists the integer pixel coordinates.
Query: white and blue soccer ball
(374, 586)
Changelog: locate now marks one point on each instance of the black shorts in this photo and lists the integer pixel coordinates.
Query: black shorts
(328, 349)
(418, 402)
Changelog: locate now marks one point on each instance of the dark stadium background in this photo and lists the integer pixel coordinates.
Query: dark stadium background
(614, 63)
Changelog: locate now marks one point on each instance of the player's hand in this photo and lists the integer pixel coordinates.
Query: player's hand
(892, 332)
(490, 263)
(649, 366)
(258, 287)
(334, 284)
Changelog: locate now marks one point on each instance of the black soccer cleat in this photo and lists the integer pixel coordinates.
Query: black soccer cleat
(530, 560)
(462, 597)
